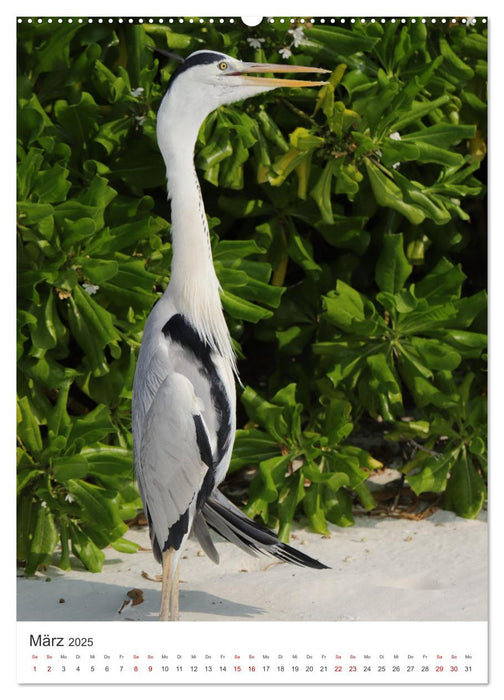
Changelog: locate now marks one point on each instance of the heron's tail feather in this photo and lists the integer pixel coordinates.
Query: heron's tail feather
(226, 519)
(200, 529)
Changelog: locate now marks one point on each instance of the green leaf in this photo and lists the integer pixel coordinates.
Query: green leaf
(341, 40)
(289, 497)
(335, 480)
(314, 509)
(384, 387)
(338, 508)
(132, 285)
(433, 472)
(453, 63)
(365, 496)
(52, 185)
(388, 194)
(344, 306)
(92, 326)
(215, 152)
(338, 425)
(98, 506)
(436, 354)
(443, 282)
(294, 340)
(321, 193)
(79, 120)
(120, 237)
(441, 135)
(85, 549)
(53, 53)
(44, 334)
(26, 513)
(108, 460)
(140, 166)
(240, 308)
(431, 206)
(58, 421)
(465, 491)
(269, 469)
(240, 207)
(28, 428)
(70, 467)
(92, 427)
(426, 318)
(265, 413)
(27, 171)
(251, 447)
(300, 250)
(30, 124)
(125, 546)
(43, 542)
(96, 270)
(424, 391)
(475, 44)
(392, 267)
(469, 308)
(302, 139)
(468, 344)
(284, 165)
(417, 111)
(271, 130)
(112, 134)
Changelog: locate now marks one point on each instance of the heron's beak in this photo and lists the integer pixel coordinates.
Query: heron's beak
(278, 68)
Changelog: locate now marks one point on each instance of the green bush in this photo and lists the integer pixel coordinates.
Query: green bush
(348, 231)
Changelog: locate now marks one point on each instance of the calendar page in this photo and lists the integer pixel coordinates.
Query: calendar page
(252, 395)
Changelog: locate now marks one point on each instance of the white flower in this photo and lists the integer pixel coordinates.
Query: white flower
(396, 136)
(285, 52)
(395, 165)
(90, 288)
(43, 504)
(255, 43)
(297, 36)
(140, 119)
(137, 92)
(69, 498)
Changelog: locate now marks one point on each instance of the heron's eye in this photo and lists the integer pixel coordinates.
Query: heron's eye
(223, 65)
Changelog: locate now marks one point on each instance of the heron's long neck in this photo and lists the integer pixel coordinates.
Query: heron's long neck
(193, 284)
(192, 264)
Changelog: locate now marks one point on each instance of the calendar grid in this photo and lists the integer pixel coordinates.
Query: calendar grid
(337, 652)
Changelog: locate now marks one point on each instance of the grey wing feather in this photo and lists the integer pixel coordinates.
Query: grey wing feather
(200, 529)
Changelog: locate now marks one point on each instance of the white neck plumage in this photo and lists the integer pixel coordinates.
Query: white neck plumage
(194, 286)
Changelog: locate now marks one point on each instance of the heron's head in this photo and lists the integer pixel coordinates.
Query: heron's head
(208, 79)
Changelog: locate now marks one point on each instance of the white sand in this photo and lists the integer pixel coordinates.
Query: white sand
(381, 569)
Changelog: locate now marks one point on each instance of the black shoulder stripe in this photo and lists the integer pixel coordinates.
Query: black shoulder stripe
(203, 442)
(206, 457)
(181, 332)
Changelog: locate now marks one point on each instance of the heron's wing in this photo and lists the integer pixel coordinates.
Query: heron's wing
(174, 457)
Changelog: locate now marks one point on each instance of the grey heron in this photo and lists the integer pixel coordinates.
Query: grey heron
(184, 400)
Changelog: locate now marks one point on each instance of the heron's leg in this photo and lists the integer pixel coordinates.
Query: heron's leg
(167, 585)
(174, 601)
